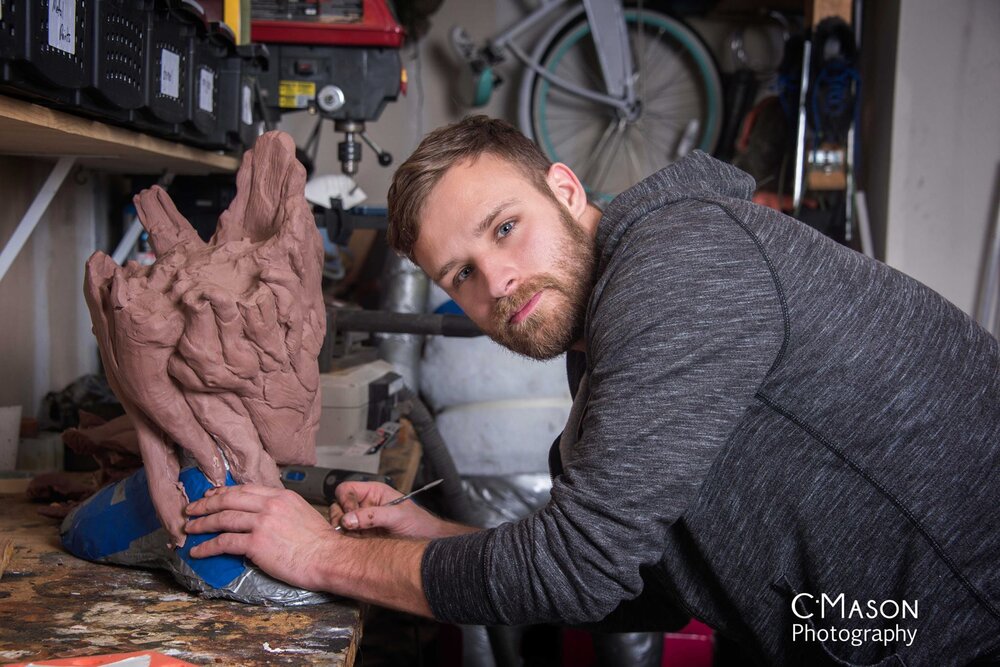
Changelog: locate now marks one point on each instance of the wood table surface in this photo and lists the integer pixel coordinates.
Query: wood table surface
(53, 605)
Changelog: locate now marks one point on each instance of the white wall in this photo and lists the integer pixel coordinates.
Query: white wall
(45, 336)
(945, 146)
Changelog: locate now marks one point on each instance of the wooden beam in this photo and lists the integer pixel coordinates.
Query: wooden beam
(33, 130)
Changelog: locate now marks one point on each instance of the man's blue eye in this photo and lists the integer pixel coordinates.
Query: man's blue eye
(462, 274)
(505, 229)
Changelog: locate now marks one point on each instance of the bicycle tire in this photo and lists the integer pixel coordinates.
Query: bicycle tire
(653, 140)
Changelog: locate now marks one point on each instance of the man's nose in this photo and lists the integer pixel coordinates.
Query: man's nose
(501, 278)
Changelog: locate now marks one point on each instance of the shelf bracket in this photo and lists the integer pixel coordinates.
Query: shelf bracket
(34, 213)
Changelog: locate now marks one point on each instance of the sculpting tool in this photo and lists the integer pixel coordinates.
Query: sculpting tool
(406, 496)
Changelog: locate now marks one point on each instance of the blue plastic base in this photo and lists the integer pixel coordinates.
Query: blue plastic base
(112, 521)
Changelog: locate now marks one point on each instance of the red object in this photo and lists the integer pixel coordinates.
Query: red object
(377, 27)
(155, 660)
(691, 646)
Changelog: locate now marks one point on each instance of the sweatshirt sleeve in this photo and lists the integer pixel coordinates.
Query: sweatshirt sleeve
(684, 323)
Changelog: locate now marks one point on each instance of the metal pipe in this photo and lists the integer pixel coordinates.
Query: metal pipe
(406, 287)
(423, 324)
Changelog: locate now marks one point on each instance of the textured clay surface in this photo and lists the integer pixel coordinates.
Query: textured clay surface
(213, 349)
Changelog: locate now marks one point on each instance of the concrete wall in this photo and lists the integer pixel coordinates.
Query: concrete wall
(945, 143)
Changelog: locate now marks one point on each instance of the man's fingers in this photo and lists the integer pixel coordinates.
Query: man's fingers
(256, 489)
(349, 501)
(335, 514)
(228, 543)
(372, 517)
(247, 498)
(354, 495)
(226, 521)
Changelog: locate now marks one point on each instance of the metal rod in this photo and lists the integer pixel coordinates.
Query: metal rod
(409, 495)
(615, 102)
(502, 40)
(404, 497)
(800, 137)
(34, 213)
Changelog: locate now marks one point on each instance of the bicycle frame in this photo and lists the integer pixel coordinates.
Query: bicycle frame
(607, 25)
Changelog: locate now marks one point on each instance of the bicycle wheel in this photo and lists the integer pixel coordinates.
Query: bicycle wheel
(677, 85)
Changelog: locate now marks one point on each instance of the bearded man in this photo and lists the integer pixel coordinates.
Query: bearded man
(783, 438)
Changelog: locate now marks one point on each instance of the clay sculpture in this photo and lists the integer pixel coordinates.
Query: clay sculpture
(213, 349)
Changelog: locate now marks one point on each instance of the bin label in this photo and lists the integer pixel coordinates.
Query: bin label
(246, 105)
(206, 86)
(62, 25)
(170, 74)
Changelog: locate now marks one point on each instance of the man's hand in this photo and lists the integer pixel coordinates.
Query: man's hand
(362, 506)
(284, 536)
(275, 528)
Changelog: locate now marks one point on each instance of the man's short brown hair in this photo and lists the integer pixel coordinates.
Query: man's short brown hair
(447, 146)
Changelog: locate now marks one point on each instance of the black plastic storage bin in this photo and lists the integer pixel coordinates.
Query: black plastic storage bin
(118, 78)
(209, 53)
(168, 68)
(239, 111)
(11, 29)
(48, 42)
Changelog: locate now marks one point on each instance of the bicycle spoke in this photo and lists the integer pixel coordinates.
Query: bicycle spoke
(576, 133)
(581, 68)
(667, 107)
(676, 113)
(670, 84)
(675, 107)
(632, 160)
(640, 53)
(619, 131)
(578, 117)
(652, 42)
(598, 150)
(664, 144)
(569, 104)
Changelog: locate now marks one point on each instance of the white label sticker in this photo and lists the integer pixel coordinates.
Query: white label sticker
(170, 73)
(206, 85)
(246, 106)
(62, 25)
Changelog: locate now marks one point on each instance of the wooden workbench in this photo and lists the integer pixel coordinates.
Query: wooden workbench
(55, 605)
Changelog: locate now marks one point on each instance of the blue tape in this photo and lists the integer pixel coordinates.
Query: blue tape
(102, 527)
(217, 571)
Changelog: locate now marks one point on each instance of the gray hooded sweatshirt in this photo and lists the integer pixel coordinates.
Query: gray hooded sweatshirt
(772, 433)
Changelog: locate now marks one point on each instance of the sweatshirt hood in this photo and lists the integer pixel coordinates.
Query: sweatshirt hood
(695, 176)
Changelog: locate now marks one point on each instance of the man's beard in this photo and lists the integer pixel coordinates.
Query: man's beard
(551, 329)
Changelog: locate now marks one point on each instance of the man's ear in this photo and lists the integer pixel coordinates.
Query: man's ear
(567, 188)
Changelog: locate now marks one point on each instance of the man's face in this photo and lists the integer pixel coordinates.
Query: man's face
(515, 260)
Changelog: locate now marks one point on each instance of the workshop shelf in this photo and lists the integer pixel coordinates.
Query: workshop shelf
(33, 130)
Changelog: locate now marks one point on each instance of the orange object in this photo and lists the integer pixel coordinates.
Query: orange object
(155, 660)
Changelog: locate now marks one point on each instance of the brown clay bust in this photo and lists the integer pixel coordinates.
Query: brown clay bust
(213, 349)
